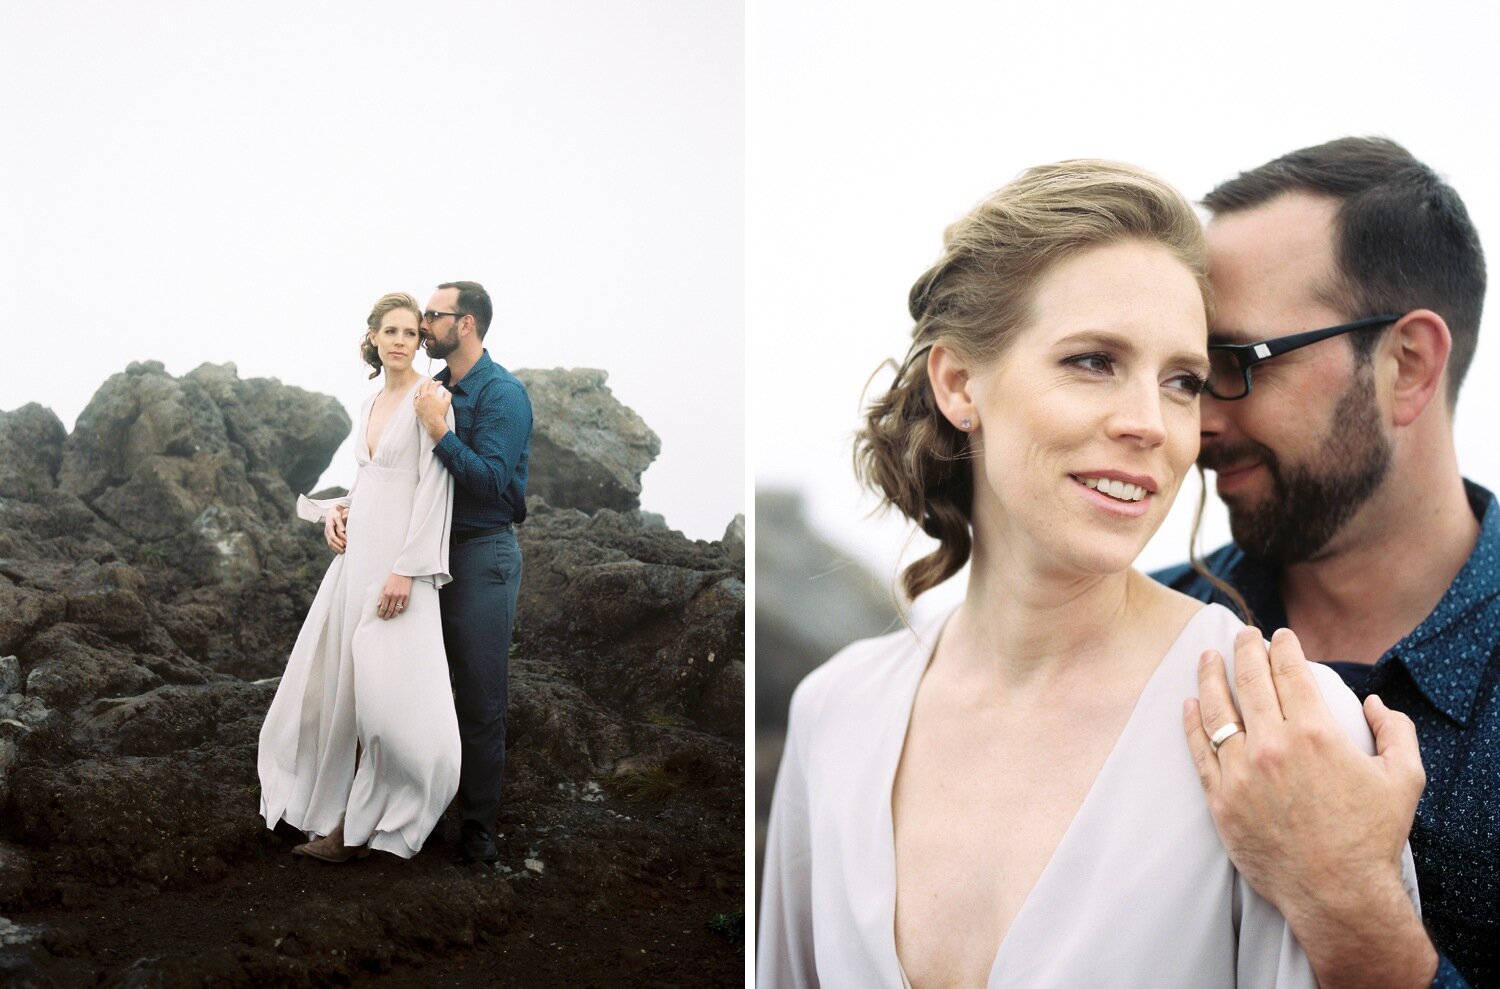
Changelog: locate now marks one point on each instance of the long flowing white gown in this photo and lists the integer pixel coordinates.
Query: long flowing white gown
(1139, 891)
(356, 683)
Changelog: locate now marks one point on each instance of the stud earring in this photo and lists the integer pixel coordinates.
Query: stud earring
(966, 424)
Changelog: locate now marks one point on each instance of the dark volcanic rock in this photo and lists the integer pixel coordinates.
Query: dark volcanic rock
(201, 471)
(31, 444)
(152, 581)
(649, 619)
(587, 450)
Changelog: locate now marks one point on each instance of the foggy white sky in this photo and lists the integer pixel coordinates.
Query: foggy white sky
(868, 134)
(193, 182)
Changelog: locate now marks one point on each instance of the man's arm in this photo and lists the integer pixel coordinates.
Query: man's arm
(1314, 824)
(502, 424)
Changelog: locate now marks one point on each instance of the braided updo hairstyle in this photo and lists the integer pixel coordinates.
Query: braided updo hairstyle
(973, 301)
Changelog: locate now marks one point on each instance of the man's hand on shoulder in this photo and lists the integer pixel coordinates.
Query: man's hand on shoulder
(433, 402)
(1314, 824)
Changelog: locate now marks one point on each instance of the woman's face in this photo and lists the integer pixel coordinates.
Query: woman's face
(1088, 422)
(396, 339)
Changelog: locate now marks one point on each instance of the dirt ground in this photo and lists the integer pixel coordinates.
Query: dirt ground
(322, 922)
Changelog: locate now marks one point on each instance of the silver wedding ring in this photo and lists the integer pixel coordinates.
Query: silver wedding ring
(1224, 733)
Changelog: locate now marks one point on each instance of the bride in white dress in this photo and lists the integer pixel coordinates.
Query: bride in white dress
(360, 745)
(1003, 796)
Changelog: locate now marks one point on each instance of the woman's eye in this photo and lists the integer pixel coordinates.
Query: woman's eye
(1188, 383)
(1097, 363)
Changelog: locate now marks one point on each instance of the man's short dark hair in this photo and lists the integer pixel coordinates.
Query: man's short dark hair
(474, 300)
(1402, 240)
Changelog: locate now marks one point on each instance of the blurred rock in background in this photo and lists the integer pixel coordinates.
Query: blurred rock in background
(811, 600)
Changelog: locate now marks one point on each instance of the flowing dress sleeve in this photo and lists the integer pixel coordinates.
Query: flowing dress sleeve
(317, 509)
(786, 921)
(424, 555)
(1269, 956)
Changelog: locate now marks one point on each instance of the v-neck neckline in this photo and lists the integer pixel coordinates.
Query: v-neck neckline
(385, 429)
(888, 831)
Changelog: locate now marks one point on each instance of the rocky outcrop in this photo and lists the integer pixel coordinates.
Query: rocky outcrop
(647, 621)
(587, 450)
(152, 580)
(31, 446)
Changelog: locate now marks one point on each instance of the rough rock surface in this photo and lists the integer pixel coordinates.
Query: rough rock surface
(152, 580)
(587, 450)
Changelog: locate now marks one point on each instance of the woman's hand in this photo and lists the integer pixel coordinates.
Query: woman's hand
(393, 599)
(333, 528)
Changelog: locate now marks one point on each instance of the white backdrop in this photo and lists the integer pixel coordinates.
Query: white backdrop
(191, 182)
(871, 128)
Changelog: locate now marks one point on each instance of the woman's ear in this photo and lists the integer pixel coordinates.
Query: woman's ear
(949, 375)
(1420, 343)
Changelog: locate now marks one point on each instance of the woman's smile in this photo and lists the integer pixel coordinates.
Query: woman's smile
(1100, 392)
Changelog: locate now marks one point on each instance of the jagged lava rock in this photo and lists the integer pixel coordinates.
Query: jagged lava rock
(189, 467)
(645, 617)
(31, 445)
(152, 580)
(588, 451)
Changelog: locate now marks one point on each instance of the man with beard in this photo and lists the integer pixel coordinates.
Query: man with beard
(487, 453)
(1349, 282)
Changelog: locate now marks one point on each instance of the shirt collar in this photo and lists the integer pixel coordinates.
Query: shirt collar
(1446, 654)
(446, 373)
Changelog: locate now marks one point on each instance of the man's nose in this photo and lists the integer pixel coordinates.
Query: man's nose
(1213, 415)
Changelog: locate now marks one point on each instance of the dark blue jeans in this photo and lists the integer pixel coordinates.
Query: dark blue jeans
(479, 610)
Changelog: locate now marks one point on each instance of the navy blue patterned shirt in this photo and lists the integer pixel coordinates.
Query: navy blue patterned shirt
(488, 447)
(1445, 676)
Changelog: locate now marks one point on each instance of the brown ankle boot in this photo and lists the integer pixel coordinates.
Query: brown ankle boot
(331, 848)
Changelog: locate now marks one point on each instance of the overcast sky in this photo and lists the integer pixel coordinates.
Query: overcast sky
(870, 132)
(191, 182)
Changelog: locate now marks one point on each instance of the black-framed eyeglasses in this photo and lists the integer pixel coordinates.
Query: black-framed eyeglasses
(1229, 364)
(432, 315)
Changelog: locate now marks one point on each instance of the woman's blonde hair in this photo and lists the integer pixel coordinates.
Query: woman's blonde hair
(973, 300)
(387, 303)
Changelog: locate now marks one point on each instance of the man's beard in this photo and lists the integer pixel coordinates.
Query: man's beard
(1310, 503)
(439, 349)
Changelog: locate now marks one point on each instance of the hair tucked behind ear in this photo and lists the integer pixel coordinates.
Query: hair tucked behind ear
(972, 301)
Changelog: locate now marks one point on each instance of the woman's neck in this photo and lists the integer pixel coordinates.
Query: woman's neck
(1023, 623)
(397, 381)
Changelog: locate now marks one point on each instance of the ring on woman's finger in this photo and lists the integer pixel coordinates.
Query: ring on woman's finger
(1224, 733)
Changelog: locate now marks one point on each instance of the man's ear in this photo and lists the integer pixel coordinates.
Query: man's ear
(949, 375)
(1419, 346)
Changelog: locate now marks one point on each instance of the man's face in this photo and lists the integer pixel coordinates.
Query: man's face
(1306, 448)
(440, 336)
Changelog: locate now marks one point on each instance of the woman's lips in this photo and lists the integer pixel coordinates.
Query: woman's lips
(1115, 506)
